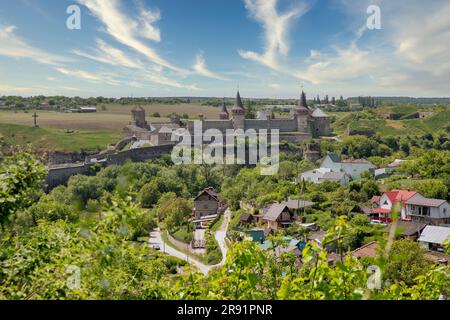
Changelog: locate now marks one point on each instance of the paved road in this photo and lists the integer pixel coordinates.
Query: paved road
(221, 234)
(156, 239)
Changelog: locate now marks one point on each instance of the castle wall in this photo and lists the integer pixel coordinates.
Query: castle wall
(137, 155)
(284, 125)
(295, 138)
(257, 124)
(60, 175)
(221, 125)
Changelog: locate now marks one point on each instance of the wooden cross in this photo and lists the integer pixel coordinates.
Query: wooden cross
(35, 116)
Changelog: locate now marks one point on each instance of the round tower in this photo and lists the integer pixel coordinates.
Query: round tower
(238, 113)
(302, 114)
(138, 118)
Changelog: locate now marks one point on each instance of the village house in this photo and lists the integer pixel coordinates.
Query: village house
(414, 208)
(368, 250)
(384, 206)
(428, 211)
(434, 238)
(383, 172)
(88, 109)
(208, 205)
(325, 174)
(298, 205)
(279, 216)
(335, 169)
(352, 167)
(406, 229)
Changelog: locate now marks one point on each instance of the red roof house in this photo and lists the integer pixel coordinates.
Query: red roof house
(386, 204)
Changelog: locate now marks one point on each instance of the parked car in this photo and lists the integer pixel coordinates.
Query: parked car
(156, 247)
(378, 222)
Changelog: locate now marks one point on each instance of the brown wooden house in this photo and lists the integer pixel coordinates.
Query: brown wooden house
(279, 216)
(207, 206)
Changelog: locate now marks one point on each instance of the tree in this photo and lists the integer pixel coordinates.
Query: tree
(84, 188)
(149, 194)
(21, 176)
(405, 262)
(174, 212)
(371, 188)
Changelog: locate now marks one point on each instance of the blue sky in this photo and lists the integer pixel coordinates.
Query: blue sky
(210, 47)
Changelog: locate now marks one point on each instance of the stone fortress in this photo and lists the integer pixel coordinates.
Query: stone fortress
(151, 140)
(303, 123)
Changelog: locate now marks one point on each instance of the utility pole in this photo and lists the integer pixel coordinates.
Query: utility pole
(187, 254)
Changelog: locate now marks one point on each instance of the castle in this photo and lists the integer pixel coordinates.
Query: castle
(303, 123)
(303, 120)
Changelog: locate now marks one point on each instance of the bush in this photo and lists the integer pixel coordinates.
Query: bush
(149, 194)
(183, 234)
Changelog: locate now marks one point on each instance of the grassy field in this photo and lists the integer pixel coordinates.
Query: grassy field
(51, 139)
(114, 118)
(92, 131)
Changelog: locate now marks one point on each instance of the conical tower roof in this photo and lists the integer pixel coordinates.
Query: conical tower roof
(238, 105)
(224, 107)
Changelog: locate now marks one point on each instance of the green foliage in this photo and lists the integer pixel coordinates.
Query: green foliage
(184, 233)
(149, 194)
(405, 262)
(213, 252)
(174, 212)
(20, 178)
(47, 234)
(430, 188)
(35, 265)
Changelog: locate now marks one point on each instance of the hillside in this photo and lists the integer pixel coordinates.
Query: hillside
(364, 121)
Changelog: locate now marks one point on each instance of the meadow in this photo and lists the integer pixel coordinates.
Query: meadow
(73, 132)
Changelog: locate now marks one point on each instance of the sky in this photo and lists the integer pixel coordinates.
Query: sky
(266, 48)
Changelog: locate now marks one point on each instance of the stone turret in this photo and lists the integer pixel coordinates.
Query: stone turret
(224, 115)
(302, 114)
(238, 113)
(138, 118)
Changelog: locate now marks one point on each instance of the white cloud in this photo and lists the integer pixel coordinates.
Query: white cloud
(13, 46)
(35, 90)
(345, 64)
(128, 31)
(314, 53)
(410, 54)
(276, 27)
(90, 76)
(110, 55)
(147, 30)
(156, 77)
(201, 68)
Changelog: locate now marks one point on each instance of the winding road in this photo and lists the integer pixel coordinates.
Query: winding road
(156, 240)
